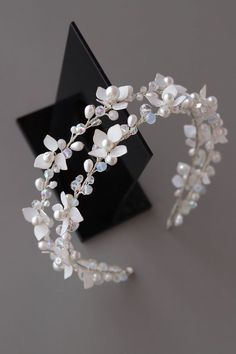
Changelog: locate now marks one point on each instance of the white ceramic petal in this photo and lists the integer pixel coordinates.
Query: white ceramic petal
(40, 163)
(68, 271)
(159, 79)
(180, 89)
(45, 217)
(153, 98)
(88, 280)
(98, 153)
(65, 225)
(203, 92)
(60, 161)
(119, 151)
(98, 137)
(101, 94)
(190, 131)
(40, 231)
(57, 207)
(50, 143)
(64, 200)
(170, 89)
(179, 100)
(75, 215)
(114, 133)
(29, 213)
(120, 105)
(125, 92)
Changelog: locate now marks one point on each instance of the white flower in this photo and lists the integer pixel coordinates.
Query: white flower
(172, 96)
(46, 159)
(106, 144)
(67, 211)
(116, 97)
(39, 219)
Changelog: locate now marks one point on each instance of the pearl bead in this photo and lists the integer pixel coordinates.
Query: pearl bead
(61, 144)
(77, 146)
(73, 130)
(112, 92)
(164, 111)
(168, 98)
(183, 168)
(168, 80)
(107, 144)
(88, 165)
(187, 103)
(191, 152)
(130, 270)
(132, 120)
(111, 160)
(212, 101)
(36, 220)
(56, 267)
(58, 215)
(108, 277)
(195, 96)
(178, 220)
(39, 184)
(89, 111)
(113, 115)
(43, 246)
(48, 156)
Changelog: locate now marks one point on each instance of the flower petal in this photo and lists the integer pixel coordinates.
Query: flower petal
(153, 98)
(203, 92)
(180, 89)
(88, 280)
(114, 133)
(170, 89)
(98, 137)
(68, 271)
(40, 163)
(120, 105)
(101, 94)
(40, 231)
(65, 225)
(125, 92)
(75, 215)
(29, 213)
(98, 153)
(50, 143)
(159, 79)
(45, 217)
(118, 151)
(64, 200)
(57, 207)
(60, 161)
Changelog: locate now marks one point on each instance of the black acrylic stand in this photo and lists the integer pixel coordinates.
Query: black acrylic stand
(117, 196)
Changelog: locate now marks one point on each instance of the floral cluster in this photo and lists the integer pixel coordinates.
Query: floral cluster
(164, 97)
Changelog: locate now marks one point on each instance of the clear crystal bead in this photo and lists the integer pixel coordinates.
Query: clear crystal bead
(150, 118)
(101, 166)
(67, 153)
(100, 111)
(48, 174)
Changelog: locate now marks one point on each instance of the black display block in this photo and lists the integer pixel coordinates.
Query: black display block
(117, 196)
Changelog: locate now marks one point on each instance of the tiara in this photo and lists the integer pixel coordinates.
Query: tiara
(163, 97)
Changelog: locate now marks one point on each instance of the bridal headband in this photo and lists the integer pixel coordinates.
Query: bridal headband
(163, 97)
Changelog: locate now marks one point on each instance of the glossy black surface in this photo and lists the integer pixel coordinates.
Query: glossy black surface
(117, 196)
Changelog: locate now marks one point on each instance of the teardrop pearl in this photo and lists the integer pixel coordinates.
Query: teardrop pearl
(77, 146)
(88, 165)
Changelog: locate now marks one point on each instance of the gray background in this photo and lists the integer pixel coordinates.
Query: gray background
(183, 298)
